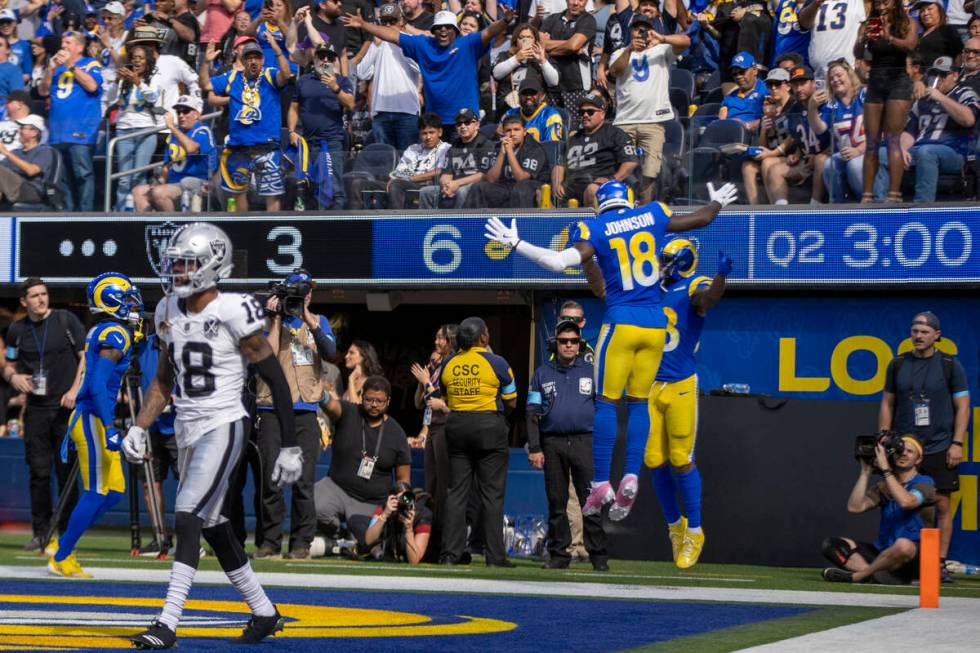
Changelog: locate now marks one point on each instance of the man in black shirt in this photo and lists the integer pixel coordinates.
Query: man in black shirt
(597, 153)
(567, 38)
(970, 76)
(516, 175)
(416, 16)
(469, 158)
(367, 447)
(179, 29)
(44, 359)
(316, 28)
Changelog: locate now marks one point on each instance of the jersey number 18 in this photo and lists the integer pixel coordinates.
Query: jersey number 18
(638, 263)
(194, 369)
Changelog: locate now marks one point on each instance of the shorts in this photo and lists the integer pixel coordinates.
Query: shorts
(205, 471)
(627, 359)
(650, 136)
(164, 459)
(238, 166)
(934, 466)
(673, 423)
(575, 188)
(101, 469)
(903, 575)
(887, 85)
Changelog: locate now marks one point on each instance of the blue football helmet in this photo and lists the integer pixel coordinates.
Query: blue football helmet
(678, 259)
(613, 195)
(114, 294)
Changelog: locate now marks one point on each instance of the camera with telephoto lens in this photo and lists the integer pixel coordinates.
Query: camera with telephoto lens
(292, 296)
(406, 502)
(864, 445)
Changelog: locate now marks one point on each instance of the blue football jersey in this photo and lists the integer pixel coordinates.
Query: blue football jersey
(684, 326)
(199, 165)
(75, 114)
(255, 110)
(787, 35)
(626, 243)
(104, 335)
(544, 124)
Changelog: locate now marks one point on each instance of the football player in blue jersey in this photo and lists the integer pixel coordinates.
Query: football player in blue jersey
(108, 347)
(674, 398)
(625, 241)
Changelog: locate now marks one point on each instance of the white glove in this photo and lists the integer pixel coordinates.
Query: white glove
(288, 467)
(724, 195)
(134, 444)
(498, 232)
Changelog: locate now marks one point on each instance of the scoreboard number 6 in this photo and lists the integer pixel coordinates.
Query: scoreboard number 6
(439, 239)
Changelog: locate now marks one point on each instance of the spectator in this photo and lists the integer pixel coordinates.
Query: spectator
(256, 122)
(172, 73)
(20, 49)
(232, 40)
(567, 38)
(525, 59)
(418, 167)
(642, 74)
(23, 169)
(774, 138)
(369, 447)
(790, 41)
(970, 75)
(218, 16)
(788, 61)
(315, 29)
(939, 134)
(808, 150)
(885, 41)
(445, 59)
(139, 100)
(112, 37)
(41, 58)
(355, 38)
(541, 121)
(843, 170)
(958, 16)
(322, 96)
(179, 29)
(47, 364)
(742, 27)
(416, 15)
(361, 361)
(479, 386)
(75, 116)
(597, 153)
(744, 103)
(189, 155)
(400, 533)
(469, 23)
(469, 158)
(274, 18)
(973, 27)
(938, 38)
(18, 107)
(519, 168)
(833, 32)
(395, 86)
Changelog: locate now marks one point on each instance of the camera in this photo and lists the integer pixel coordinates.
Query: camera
(644, 33)
(864, 445)
(292, 296)
(406, 502)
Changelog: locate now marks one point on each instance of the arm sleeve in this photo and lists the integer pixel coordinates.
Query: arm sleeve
(323, 336)
(504, 68)
(271, 372)
(549, 259)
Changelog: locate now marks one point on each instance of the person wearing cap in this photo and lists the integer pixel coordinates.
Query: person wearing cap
(567, 38)
(395, 104)
(23, 169)
(470, 155)
(525, 60)
(775, 138)
(311, 29)
(255, 124)
(744, 102)
(478, 387)
(908, 502)
(171, 73)
(541, 120)
(926, 394)
(642, 73)
(113, 39)
(939, 135)
(448, 61)
(18, 106)
(75, 116)
(833, 31)
(188, 163)
(20, 49)
(596, 153)
(518, 170)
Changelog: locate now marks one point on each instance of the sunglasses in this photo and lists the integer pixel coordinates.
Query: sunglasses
(568, 341)
(439, 28)
(182, 110)
(839, 62)
(589, 112)
(773, 83)
(971, 51)
(465, 122)
(576, 319)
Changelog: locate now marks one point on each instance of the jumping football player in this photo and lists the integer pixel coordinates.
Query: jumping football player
(624, 241)
(209, 337)
(108, 347)
(674, 398)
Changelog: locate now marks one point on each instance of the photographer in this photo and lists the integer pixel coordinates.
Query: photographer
(402, 526)
(302, 341)
(907, 501)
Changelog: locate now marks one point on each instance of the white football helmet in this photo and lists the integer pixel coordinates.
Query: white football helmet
(198, 255)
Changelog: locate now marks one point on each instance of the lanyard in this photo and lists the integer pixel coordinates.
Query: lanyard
(377, 447)
(41, 344)
(924, 376)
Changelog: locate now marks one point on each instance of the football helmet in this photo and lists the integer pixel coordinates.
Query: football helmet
(614, 195)
(678, 259)
(197, 257)
(114, 294)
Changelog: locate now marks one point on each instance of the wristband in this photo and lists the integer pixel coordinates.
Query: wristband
(886, 473)
(958, 444)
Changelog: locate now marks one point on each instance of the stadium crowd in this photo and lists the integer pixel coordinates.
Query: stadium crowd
(335, 105)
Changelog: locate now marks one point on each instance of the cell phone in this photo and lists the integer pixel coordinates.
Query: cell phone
(820, 84)
(267, 4)
(327, 69)
(527, 41)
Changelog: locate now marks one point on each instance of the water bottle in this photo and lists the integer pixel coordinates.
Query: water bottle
(736, 388)
(185, 201)
(956, 567)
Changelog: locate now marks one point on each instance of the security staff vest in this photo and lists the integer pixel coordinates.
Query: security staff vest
(301, 363)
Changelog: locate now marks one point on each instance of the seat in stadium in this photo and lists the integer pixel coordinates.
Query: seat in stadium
(375, 161)
(708, 162)
(53, 187)
(682, 79)
(672, 172)
(489, 131)
(715, 95)
(681, 101)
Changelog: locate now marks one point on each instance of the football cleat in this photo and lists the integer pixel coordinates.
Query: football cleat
(52, 547)
(67, 568)
(676, 535)
(690, 549)
(258, 628)
(601, 494)
(157, 637)
(625, 496)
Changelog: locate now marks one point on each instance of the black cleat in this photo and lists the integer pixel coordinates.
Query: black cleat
(157, 637)
(258, 628)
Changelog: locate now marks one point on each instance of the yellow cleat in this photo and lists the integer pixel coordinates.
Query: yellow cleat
(52, 547)
(67, 568)
(690, 549)
(676, 534)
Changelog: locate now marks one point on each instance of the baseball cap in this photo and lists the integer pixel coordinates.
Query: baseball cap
(942, 65)
(244, 38)
(390, 11)
(929, 2)
(594, 99)
(445, 18)
(778, 75)
(927, 318)
(530, 83)
(466, 115)
(802, 73)
(640, 19)
(743, 61)
(146, 34)
(7, 14)
(115, 7)
(33, 120)
(325, 49)
(190, 102)
(567, 325)
(251, 48)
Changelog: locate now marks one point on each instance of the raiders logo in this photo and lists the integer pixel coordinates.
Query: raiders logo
(211, 327)
(217, 248)
(157, 237)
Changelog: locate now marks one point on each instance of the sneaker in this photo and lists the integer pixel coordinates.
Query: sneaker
(156, 637)
(676, 535)
(258, 628)
(625, 496)
(299, 553)
(67, 568)
(835, 575)
(52, 547)
(36, 544)
(600, 564)
(945, 576)
(267, 552)
(601, 494)
(690, 551)
(152, 549)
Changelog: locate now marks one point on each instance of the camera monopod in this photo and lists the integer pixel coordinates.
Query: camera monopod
(134, 398)
(66, 491)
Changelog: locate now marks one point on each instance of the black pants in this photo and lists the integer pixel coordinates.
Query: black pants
(44, 429)
(477, 445)
(302, 508)
(516, 195)
(564, 455)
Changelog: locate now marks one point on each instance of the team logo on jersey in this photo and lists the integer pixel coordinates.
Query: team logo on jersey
(157, 238)
(211, 327)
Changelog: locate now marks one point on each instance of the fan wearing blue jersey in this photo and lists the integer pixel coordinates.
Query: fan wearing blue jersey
(625, 241)
(108, 347)
(674, 398)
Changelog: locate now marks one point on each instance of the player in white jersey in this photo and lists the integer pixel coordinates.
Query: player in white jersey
(210, 338)
(833, 26)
